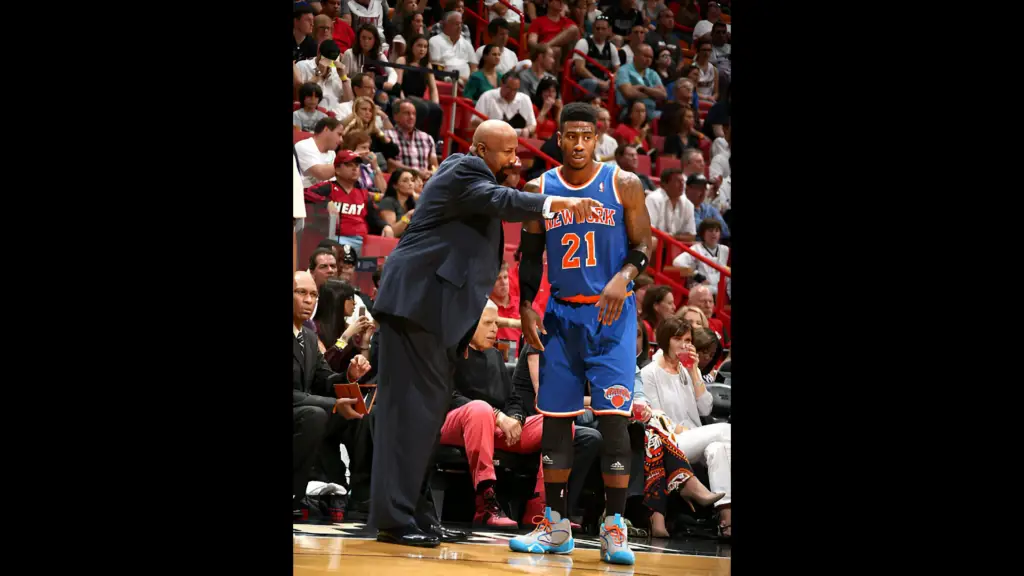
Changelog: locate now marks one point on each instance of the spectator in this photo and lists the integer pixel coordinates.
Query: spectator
(509, 327)
(709, 350)
(721, 53)
(643, 349)
(721, 152)
(413, 26)
(417, 151)
(586, 442)
(370, 175)
(634, 40)
(352, 205)
(324, 71)
(547, 107)
(718, 116)
(415, 84)
(663, 65)
(361, 57)
(369, 13)
(346, 341)
(659, 304)
(341, 31)
(707, 84)
(298, 213)
(701, 298)
(664, 36)
(498, 29)
(606, 144)
(687, 135)
(543, 63)
(362, 86)
(451, 50)
(553, 30)
(498, 10)
(625, 158)
(318, 416)
(486, 76)
(316, 154)
(670, 211)
(692, 315)
(323, 264)
(598, 48)
(649, 11)
(321, 28)
(305, 118)
(709, 232)
(397, 206)
(680, 95)
(302, 30)
(704, 27)
(636, 81)
(680, 393)
(696, 191)
(640, 285)
(634, 131)
(508, 103)
(363, 118)
(688, 15)
(623, 16)
(439, 27)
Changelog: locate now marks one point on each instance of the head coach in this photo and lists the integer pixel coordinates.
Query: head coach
(432, 291)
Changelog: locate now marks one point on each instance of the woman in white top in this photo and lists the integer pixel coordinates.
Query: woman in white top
(679, 392)
(707, 83)
(368, 49)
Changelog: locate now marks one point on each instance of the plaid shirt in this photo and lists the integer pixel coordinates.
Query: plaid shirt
(413, 150)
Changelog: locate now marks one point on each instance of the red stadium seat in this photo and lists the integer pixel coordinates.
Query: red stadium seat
(659, 144)
(513, 232)
(643, 164)
(704, 105)
(299, 135)
(377, 246)
(666, 163)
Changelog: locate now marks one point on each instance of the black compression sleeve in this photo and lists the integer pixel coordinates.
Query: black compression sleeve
(531, 266)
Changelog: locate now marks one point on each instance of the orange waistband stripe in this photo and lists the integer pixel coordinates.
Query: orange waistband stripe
(581, 299)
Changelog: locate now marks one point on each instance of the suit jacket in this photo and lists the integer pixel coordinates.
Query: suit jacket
(445, 265)
(312, 379)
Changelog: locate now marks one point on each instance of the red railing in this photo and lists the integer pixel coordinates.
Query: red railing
(657, 261)
(568, 82)
(520, 44)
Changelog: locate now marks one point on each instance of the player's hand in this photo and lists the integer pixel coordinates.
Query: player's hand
(581, 207)
(343, 406)
(611, 300)
(358, 367)
(511, 428)
(531, 324)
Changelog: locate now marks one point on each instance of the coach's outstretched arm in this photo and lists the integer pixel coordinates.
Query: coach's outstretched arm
(638, 230)
(531, 270)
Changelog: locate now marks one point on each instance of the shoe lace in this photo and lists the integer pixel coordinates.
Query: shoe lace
(543, 525)
(616, 533)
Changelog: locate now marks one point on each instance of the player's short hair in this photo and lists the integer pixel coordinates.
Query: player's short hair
(577, 112)
(670, 328)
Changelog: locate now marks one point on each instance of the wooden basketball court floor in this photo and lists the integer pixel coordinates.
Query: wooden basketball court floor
(350, 548)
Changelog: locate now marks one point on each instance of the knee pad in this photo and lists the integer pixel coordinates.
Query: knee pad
(556, 443)
(615, 453)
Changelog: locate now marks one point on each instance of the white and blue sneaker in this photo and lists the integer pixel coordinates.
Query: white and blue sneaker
(552, 535)
(614, 548)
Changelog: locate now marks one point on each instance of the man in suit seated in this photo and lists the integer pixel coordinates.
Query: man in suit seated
(321, 420)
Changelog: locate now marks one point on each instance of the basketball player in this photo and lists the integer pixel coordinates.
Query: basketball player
(589, 330)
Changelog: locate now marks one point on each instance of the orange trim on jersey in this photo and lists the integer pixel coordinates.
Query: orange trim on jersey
(581, 299)
(615, 187)
(558, 172)
(561, 414)
(607, 412)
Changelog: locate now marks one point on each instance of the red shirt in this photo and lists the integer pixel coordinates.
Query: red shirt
(546, 29)
(540, 302)
(344, 36)
(510, 311)
(547, 128)
(352, 214)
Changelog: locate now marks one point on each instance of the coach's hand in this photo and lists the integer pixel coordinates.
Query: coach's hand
(581, 207)
(531, 324)
(511, 428)
(612, 297)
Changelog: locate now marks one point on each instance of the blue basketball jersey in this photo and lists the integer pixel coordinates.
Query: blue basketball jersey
(584, 256)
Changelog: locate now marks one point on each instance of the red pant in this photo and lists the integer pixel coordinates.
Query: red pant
(472, 426)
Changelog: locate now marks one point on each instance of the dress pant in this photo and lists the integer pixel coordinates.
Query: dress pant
(413, 391)
(711, 444)
(308, 428)
(355, 435)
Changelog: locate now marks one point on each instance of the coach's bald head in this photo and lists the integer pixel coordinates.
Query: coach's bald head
(495, 142)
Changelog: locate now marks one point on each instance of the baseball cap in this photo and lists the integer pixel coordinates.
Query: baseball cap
(697, 180)
(346, 156)
(329, 49)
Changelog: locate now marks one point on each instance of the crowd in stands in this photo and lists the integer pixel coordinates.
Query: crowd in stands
(369, 129)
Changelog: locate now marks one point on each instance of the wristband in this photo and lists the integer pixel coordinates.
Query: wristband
(638, 259)
(341, 343)
(405, 219)
(344, 78)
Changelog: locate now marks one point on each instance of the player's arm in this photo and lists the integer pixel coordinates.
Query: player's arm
(531, 269)
(638, 231)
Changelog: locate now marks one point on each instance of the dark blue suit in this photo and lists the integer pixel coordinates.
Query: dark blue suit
(432, 291)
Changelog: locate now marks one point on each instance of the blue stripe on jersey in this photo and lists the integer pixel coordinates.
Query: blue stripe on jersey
(583, 257)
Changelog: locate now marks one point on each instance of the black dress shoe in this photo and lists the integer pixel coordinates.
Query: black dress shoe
(447, 534)
(410, 536)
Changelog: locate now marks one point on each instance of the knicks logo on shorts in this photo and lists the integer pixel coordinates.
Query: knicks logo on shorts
(618, 395)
